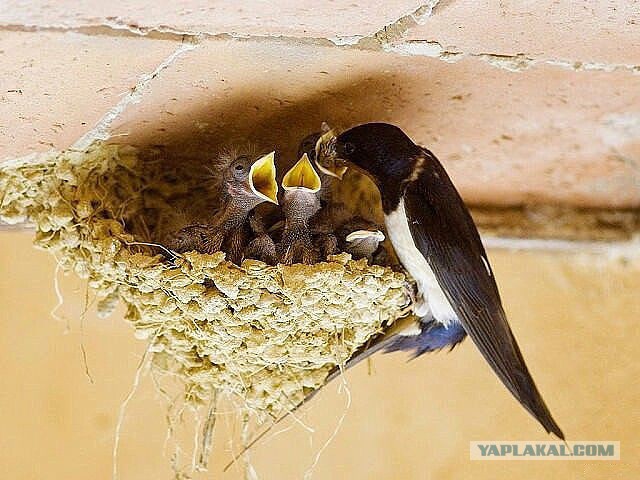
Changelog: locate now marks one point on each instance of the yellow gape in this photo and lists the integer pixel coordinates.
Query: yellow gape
(262, 178)
(302, 176)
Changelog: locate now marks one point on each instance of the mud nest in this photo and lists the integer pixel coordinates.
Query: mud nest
(266, 334)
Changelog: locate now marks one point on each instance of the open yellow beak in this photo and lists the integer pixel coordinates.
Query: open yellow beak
(302, 176)
(262, 178)
(326, 160)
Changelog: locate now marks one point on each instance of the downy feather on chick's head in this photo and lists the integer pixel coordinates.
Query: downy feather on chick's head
(245, 172)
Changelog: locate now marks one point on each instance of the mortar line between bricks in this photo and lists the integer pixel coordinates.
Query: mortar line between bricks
(109, 29)
(392, 31)
(115, 29)
(101, 130)
(388, 32)
(514, 63)
(420, 48)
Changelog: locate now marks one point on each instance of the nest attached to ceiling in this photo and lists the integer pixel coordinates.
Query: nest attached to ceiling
(267, 334)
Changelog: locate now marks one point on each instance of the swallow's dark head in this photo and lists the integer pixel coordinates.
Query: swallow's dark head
(379, 149)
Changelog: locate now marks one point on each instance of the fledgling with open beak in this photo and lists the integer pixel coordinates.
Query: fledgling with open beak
(300, 201)
(437, 242)
(245, 183)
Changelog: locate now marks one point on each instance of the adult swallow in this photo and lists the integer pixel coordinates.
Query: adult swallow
(437, 242)
(300, 202)
(246, 183)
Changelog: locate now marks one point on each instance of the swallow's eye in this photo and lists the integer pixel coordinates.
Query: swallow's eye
(349, 148)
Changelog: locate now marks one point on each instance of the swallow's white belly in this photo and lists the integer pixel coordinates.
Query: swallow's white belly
(430, 296)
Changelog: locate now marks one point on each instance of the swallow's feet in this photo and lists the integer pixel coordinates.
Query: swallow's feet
(418, 305)
(411, 292)
(421, 307)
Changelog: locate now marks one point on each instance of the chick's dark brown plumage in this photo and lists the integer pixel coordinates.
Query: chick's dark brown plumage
(297, 244)
(262, 247)
(246, 181)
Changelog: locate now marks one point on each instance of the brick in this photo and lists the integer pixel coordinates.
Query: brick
(339, 18)
(575, 31)
(54, 87)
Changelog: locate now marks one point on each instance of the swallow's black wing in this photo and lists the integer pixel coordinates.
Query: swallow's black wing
(445, 234)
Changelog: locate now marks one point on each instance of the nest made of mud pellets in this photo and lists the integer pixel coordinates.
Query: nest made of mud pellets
(267, 334)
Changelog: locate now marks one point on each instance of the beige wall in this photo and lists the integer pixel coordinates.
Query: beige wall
(575, 316)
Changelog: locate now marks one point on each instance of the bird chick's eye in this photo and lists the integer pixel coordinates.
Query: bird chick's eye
(239, 168)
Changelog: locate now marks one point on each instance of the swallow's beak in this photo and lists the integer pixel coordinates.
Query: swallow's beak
(302, 176)
(262, 178)
(365, 234)
(326, 159)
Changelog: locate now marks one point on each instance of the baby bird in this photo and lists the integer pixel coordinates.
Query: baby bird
(300, 201)
(246, 183)
(332, 214)
(361, 238)
(308, 146)
(262, 247)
